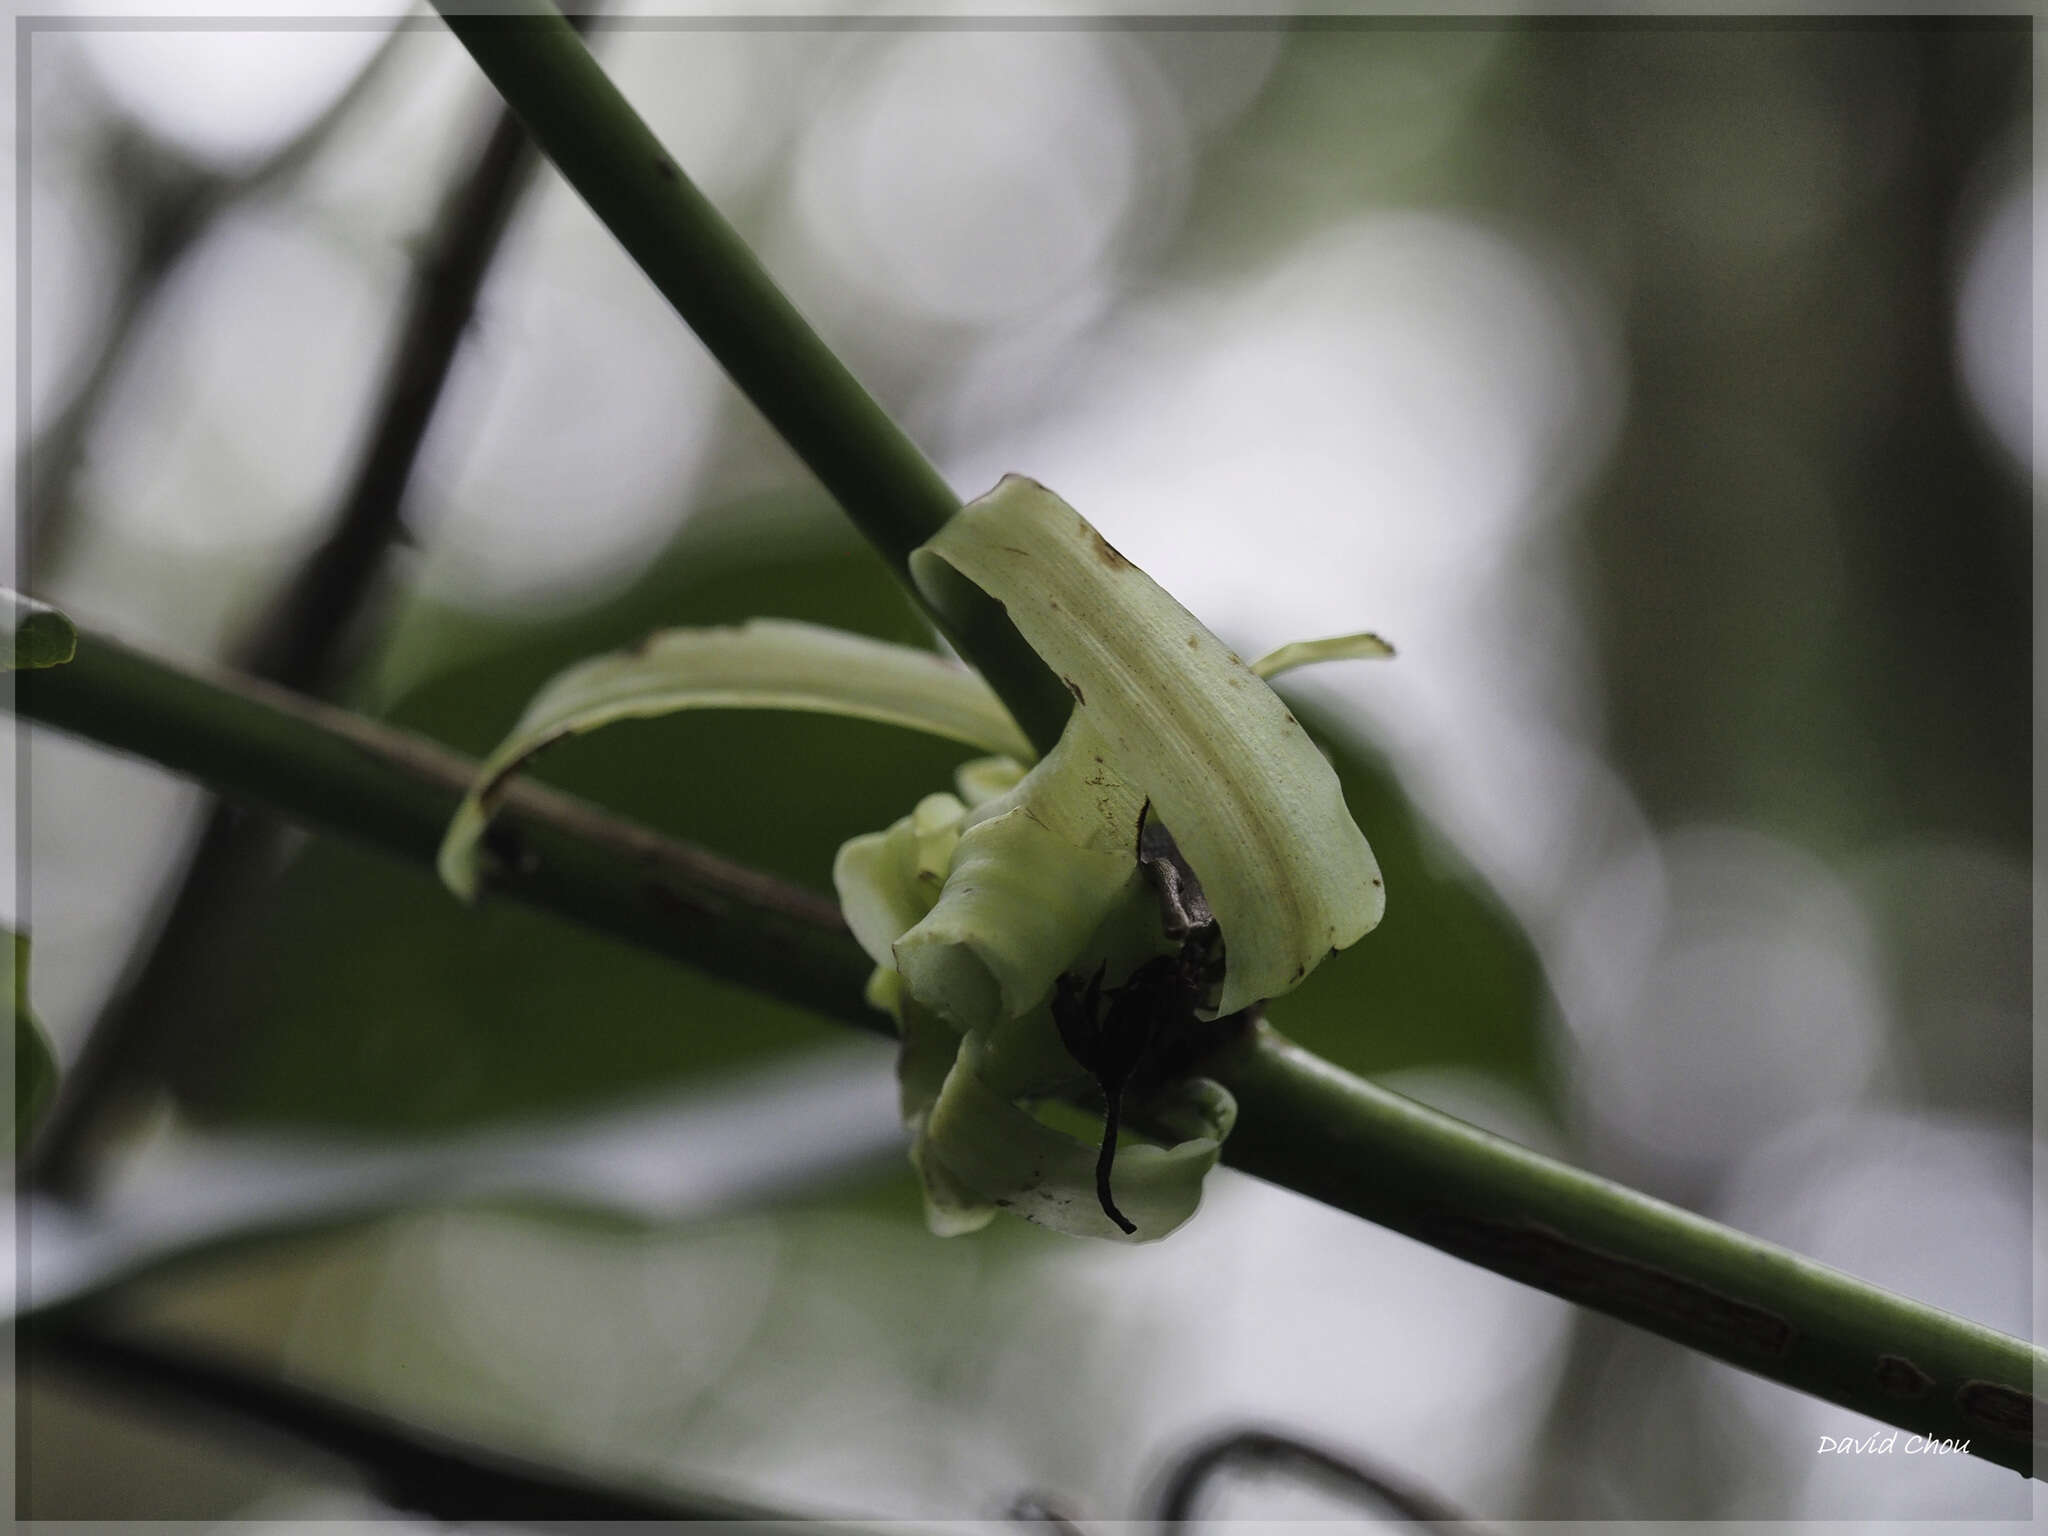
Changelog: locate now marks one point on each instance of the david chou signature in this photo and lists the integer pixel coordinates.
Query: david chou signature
(1885, 1444)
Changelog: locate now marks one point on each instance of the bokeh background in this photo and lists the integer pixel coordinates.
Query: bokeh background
(1662, 390)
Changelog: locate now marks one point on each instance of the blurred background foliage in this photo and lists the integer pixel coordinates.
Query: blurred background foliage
(1662, 390)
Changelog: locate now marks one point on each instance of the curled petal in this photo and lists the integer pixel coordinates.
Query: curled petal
(977, 1138)
(1301, 653)
(1035, 874)
(765, 664)
(983, 779)
(888, 880)
(1181, 721)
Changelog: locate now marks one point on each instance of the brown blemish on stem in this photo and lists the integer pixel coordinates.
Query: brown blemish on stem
(1075, 689)
(670, 902)
(714, 884)
(666, 169)
(2002, 1410)
(1899, 1377)
(1624, 1287)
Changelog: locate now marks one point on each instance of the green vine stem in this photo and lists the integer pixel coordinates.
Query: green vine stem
(337, 772)
(1302, 1123)
(702, 266)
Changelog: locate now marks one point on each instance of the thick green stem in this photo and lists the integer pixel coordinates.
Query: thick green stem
(1301, 1123)
(702, 266)
(337, 772)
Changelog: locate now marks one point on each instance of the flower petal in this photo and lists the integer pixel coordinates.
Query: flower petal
(986, 778)
(979, 1140)
(1035, 874)
(765, 664)
(1364, 646)
(1018, 909)
(888, 880)
(1254, 806)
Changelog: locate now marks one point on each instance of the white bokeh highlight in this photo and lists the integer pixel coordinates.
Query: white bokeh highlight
(977, 176)
(230, 96)
(563, 454)
(1997, 296)
(234, 418)
(1376, 432)
(1741, 997)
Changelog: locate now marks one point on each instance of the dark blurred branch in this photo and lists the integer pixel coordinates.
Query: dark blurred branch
(407, 1468)
(1302, 1123)
(177, 203)
(171, 203)
(1260, 1450)
(303, 640)
(299, 642)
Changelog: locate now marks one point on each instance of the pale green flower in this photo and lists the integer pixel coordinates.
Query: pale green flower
(985, 908)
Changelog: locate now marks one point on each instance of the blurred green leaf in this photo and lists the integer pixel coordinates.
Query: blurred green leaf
(35, 1065)
(38, 635)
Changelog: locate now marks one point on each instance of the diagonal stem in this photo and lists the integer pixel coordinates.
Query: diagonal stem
(1302, 1123)
(1322, 1132)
